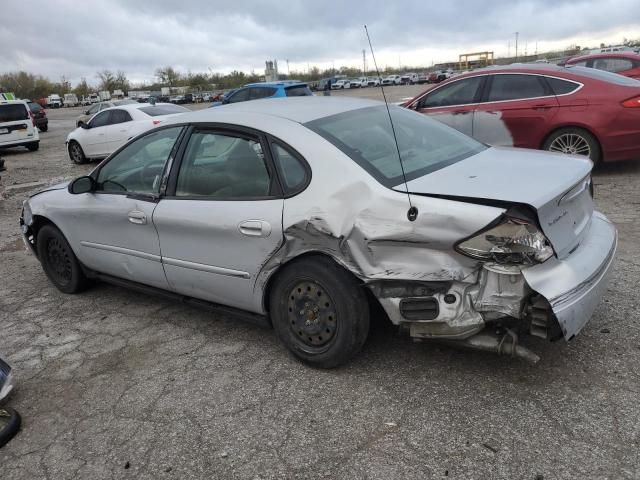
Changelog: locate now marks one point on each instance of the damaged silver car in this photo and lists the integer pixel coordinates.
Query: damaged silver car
(306, 211)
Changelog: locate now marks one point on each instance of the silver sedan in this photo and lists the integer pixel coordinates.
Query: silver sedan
(306, 213)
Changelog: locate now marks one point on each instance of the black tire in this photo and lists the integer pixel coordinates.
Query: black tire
(43, 128)
(319, 311)
(76, 154)
(33, 146)
(59, 262)
(555, 143)
(10, 422)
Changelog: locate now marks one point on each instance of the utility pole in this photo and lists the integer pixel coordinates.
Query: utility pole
(364, 61)
(288, 72)
(509, 49)
(517, 33)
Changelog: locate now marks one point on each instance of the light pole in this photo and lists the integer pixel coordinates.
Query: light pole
(517, 33)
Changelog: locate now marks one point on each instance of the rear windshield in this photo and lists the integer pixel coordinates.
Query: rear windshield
(34, 107)
(603, 76)
(425, 145)
(13, 112)
(157, 110)
(298, 91)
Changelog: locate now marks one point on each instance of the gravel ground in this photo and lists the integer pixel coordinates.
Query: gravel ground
(112, 384)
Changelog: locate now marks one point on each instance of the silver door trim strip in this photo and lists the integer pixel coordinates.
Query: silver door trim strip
(205, 268)
(122, 250)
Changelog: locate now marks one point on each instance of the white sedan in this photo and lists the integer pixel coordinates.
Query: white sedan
(111, 128)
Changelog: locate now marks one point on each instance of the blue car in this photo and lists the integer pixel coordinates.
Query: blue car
(257, 91)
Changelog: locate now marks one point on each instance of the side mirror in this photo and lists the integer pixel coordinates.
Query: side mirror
(80, 185)
(85, 126)
(87, 112)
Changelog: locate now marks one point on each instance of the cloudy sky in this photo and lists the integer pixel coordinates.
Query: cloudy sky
(77, 38)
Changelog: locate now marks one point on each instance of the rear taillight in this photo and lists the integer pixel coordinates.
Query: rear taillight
(632, 102)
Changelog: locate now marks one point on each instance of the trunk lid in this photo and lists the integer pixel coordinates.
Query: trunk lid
(557, 186)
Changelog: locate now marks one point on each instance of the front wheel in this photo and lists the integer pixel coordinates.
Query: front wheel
(59, 262)
(575, 141)
(76, 154)
(33, 146)
(319, 312)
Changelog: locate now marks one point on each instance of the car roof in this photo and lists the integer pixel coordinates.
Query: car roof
(589, 56)
(280, 83)
(535, 68)
(13, 102)
(134, 106)
(295, 109)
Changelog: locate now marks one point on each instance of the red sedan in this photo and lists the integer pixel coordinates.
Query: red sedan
(573, 110)
(622, 63)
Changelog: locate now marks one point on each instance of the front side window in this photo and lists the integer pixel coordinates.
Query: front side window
(515, 87)
(239, 96)
(461, 92)
(366, 137)
(139, 166)
(223, 166)
(100, 120)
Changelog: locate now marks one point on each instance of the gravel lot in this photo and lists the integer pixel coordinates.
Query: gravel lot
(112, 384)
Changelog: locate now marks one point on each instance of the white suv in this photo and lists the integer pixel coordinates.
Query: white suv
(17, 126)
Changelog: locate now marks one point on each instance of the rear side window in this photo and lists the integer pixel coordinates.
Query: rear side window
(157, 110)
(613, 64)
(120, 116)
(256, 93)
(461, 92)
(298, 91)
(515, 87)
(292, 170)
(561, 87)
(13, 112)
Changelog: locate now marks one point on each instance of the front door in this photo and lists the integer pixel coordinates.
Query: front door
(221, 218)
(517, 111)
(113, 227)
(453, 103)
(95, 141)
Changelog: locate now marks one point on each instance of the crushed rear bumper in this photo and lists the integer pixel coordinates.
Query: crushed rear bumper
(575, 285)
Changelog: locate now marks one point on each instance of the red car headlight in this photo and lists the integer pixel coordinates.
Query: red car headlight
(513, 241)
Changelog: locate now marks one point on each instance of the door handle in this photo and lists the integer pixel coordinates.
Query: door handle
(137, 217)
(255, 228)
(542, 107)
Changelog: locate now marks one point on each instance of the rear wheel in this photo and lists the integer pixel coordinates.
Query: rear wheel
(59, 262)
(33, 146)
(575, 141)
(75, 153)
(319, 312)
(43, 128)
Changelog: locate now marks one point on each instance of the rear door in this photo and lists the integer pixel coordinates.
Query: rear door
(15, 123)
(516, 111)
(118, 131)
(221, 218)
(453, 103)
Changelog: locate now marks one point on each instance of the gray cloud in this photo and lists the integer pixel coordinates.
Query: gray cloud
(77, 39)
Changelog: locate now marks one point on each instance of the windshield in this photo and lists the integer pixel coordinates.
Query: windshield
(157, 110)
(425, 145)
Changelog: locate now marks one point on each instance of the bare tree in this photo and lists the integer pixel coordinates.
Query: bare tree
(168, 76)
(107, 80)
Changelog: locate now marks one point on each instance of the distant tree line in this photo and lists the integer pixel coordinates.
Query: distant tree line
(29, 85)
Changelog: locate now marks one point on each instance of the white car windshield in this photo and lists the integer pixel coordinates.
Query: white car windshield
(425, 145)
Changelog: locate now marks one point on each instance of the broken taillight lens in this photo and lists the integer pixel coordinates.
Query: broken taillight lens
(514, 241)
(632, 102)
